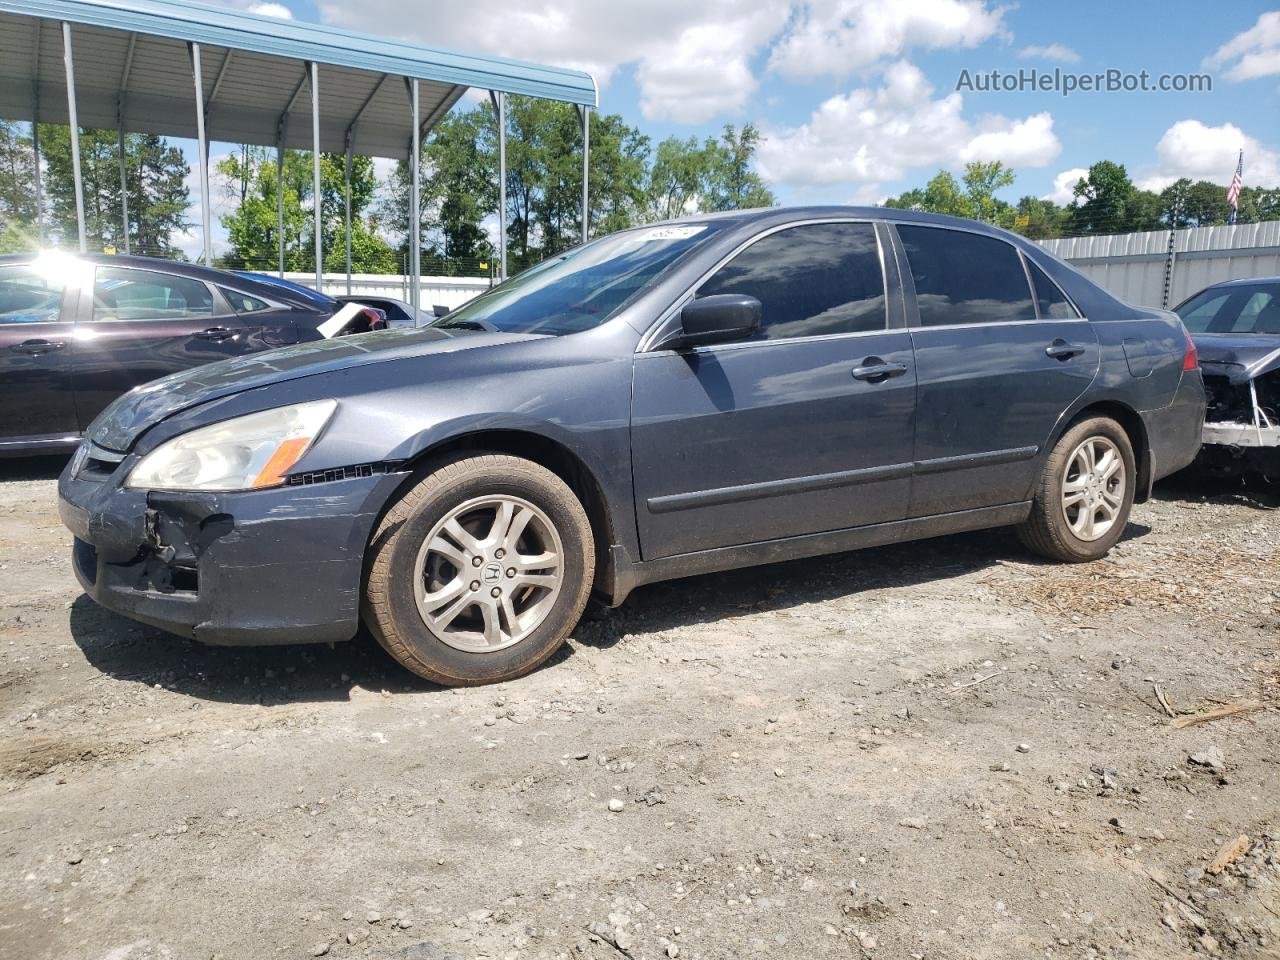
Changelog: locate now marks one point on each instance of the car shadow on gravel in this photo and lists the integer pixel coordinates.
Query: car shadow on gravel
(133, 652)
(780, 586)
(1195, 486)
(32, 468)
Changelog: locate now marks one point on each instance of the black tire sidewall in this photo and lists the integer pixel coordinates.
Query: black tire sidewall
(459, 666)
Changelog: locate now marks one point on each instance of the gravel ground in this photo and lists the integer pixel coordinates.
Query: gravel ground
(942, 749)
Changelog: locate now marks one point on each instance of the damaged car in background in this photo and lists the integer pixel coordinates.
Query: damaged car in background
(1236, 328)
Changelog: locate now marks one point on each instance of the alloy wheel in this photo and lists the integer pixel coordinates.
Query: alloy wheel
(1093, 488)
(488, 573)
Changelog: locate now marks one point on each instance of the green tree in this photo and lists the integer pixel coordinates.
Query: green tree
(1104, 200)
(17, 194)
(253, 226)
(155, 177)
(981, 181)
(1039, 219)
(732, 183)
(942, 194)
(677, 178)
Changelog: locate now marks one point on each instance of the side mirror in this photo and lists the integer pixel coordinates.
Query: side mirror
(717, 319)
(440, 310)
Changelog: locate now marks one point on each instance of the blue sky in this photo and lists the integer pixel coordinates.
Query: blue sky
(857, 98)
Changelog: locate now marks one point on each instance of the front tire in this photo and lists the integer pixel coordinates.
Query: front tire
(1084, 494)
(480, 571)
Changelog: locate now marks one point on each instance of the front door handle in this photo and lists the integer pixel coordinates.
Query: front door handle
(875, 370)
(34, 348)
(216, 334)
(1061, 350)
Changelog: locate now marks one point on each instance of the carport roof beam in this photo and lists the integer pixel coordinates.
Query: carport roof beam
(267, 52)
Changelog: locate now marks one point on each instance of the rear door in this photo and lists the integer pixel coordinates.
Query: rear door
(36, 345)
(140, 324)
(996, 365)
(794, 432)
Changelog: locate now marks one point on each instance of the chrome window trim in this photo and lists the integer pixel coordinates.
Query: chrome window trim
(995, 323)
(646, 344)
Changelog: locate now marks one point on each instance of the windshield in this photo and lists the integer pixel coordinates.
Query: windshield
(581, 288)
(1254, 308)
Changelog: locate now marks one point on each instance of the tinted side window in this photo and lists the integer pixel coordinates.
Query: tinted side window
(123, 293)
(243, 302)
(813, 279)
(28, 296)
(965, 277)
(1053, 304)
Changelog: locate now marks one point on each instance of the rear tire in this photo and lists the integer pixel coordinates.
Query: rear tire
(480, 571)
(1084, 494)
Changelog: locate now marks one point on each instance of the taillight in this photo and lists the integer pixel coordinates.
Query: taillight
(1191, 359)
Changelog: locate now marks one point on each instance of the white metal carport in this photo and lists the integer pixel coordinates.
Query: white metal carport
(182, 69)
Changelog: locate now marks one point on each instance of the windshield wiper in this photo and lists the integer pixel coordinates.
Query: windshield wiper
(468, 325)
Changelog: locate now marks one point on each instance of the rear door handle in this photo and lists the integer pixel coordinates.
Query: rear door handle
(33, 348)
(216, 334)
(1061, 350)
(875, 370)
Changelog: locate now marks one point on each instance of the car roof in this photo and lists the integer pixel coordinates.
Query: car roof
(181, 268)
(789, 214)
(1241, 282)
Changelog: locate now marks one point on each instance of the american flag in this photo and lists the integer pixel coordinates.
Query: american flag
(1233, 191)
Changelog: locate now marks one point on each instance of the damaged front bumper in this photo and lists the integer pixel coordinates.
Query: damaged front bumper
(1241, 433)
(254, 567)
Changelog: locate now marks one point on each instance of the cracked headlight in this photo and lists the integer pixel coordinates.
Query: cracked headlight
(246, 453)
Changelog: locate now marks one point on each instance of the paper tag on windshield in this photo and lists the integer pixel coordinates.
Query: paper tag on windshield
(667, 233)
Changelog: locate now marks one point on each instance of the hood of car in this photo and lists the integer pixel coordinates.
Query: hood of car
(120, 424)
(1238, 356)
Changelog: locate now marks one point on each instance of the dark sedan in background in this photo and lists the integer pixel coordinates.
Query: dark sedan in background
(76, 331)
(670, 400)
(397, 313)
(1236, 328)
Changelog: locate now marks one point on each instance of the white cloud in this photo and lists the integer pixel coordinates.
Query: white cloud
(1018, 143)
(1252, 53)
(1064, 185)
(1054, 51)
(839, 37)
(693, 60)
(870, 136)
(1191, 149)
(271, 10)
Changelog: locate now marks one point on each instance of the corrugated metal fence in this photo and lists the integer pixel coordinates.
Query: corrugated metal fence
(447, 291)
(1132, 265)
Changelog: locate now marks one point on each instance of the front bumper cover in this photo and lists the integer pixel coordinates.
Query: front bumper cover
(257, 567)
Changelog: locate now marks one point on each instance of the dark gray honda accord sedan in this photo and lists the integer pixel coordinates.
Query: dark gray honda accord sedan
(669, 400)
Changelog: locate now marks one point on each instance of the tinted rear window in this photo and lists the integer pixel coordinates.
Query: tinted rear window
(1052, 302)
(965, 277)
(1245, 309)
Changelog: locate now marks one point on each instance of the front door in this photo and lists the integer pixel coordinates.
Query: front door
(996, 367)
(143, 324)
(36, 344)
(804, 429)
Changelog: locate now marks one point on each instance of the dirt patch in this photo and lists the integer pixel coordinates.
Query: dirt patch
(932, 750)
